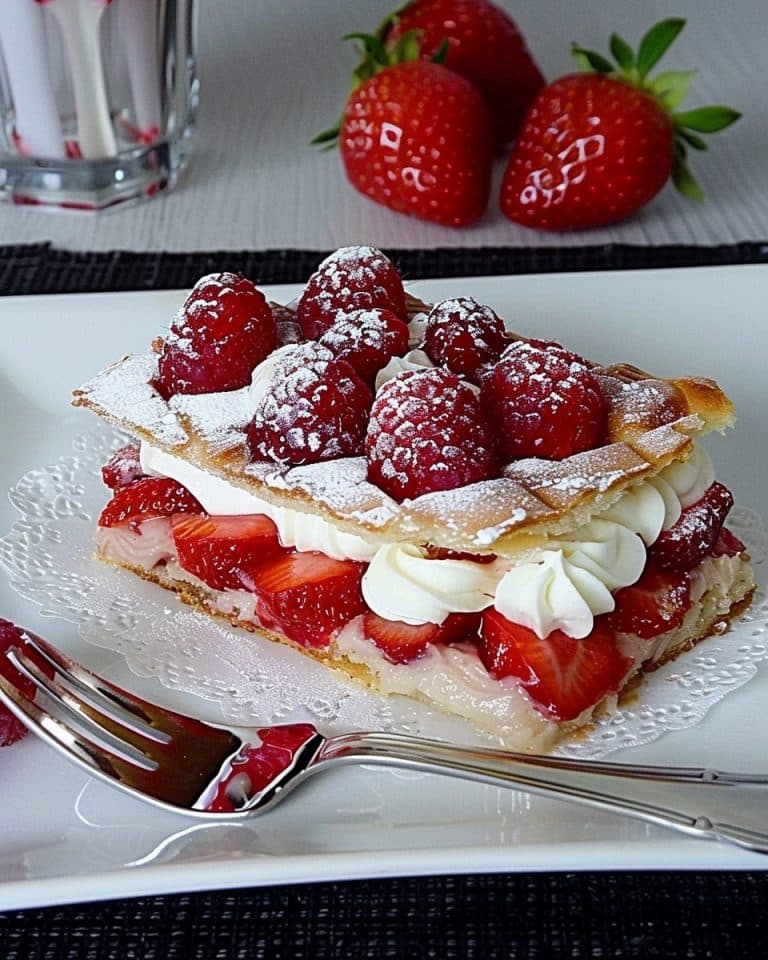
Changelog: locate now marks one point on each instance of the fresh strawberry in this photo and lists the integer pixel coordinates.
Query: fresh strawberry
(315, 408)
(595, 147)
(147, 498)
(308, 595)
(367, 340)
(484, 45)
(123, 467)
(221, 551)
(351, 278)
(695, 533)
(402, 642)
(543, 403)
(415, 136)
(562, 676)
(427, 432)
(464, 336)
(658, 602)
(224, 329)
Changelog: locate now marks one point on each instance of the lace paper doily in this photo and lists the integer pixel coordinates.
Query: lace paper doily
(49, 556)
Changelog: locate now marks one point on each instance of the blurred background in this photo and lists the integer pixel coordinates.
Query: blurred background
(274, 74)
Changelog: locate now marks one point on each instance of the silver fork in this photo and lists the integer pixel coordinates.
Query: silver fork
(180, 763)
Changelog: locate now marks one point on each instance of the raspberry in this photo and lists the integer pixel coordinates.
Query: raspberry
(352, 278)
(696, 532)
(543, 403)
(427, 432)
(367, 339)
(553, 346)
(224, 329)
(463, 335)
(316, 408)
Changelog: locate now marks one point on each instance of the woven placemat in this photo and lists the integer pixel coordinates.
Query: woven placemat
(41, 268)
(530, 917)
(520, 917)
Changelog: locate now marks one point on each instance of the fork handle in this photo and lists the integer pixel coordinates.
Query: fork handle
(696, 801)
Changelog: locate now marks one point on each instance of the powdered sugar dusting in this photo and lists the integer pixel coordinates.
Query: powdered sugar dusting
(219, 419)
(342, 486)
(123, 393)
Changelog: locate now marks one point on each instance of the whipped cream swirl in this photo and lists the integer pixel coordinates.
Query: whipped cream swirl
(402, 583)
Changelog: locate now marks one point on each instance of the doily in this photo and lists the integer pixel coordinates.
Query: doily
(49, 556)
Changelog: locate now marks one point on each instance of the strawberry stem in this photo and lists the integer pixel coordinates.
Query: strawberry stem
(668, 89)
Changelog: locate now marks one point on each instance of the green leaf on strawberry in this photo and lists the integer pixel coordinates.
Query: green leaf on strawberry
(670, 90)
(596, 146)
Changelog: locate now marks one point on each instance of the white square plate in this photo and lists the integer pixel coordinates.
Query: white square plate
(66, 838)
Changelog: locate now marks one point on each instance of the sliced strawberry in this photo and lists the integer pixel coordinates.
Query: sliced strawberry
(727, 544)
(402, 642)
(12, 729)
(123, 467)
(658, 602)
(308, 595)
(696, 531)
(562, 676)
(146, 498)
(224, 552)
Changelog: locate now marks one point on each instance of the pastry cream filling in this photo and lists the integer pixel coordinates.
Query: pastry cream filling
(562, 583)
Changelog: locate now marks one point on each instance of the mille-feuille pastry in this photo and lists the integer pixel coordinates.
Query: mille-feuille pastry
(421, 499)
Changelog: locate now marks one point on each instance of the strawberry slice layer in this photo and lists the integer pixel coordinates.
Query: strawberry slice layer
(402, 642)
(696, 531)
(658, 602)
(563, 677)
(224, 552)
(11, 729)
(309, 596)
(147, 498)
(123, 467)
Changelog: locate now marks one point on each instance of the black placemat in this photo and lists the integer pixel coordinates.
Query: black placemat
(41, 268)
(531, 917)
(526, 917)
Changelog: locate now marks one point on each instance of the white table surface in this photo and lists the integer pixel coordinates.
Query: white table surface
(275, 73)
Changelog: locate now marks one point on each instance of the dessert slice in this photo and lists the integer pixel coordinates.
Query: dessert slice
(421, 499)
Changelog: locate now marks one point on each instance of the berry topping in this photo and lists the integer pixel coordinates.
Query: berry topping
(402, 642)
(315, 408)
(426, 433)
(223, 330)
(11, 729)
(309, 596)
(463, 335)
(123, 467)
(351, 278)
(146, 498)
(543, 403)
(221, 551)
(696, 531)
(367, 339)
(658, 602)
(563, 677)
